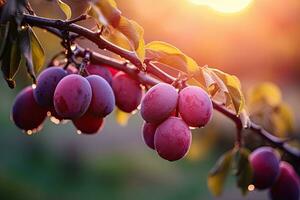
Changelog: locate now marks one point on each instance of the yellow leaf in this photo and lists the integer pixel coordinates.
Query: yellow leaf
(117, 38)
(202, 143)
(220, 82)
(283, 120)
(217, 176)
(122, 117)
(171, 56)
(134, 33)
(65, 8)
(38, 54)
(108, 12)
(265, 92)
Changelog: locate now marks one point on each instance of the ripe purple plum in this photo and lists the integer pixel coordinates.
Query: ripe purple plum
(195, 106)
(172, 139)
(128, 92)
(88, 123)
(287, 186)
(159, 103)
(148, 134)
(265, 165)
(72, 96)
(26, 113)
(103, 99)
(100, 70)
(46, 84)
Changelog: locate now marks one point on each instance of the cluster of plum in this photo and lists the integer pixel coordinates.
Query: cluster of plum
(87, 100)
(65, 95)
(169, 115)
(279, 176)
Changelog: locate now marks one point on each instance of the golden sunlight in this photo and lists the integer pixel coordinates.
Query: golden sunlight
(224, 6)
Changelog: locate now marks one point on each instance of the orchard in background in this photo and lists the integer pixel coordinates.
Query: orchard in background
(172, 92)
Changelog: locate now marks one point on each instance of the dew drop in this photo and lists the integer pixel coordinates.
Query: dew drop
(54, 120)
(251, 187)
(33, 86)
(73, 47)
(79, 132)
(29, 132)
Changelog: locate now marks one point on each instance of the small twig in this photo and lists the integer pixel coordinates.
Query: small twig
(86, 59)
(77, 19)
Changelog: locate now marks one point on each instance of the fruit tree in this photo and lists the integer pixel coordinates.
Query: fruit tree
(173, 93)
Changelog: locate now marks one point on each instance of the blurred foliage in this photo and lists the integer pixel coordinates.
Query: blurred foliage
(267, 108)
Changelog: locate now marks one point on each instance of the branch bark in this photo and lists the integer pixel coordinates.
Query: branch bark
(133, 67)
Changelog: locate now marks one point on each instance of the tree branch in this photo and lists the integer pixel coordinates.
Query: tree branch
(94, 37)
(146, 78)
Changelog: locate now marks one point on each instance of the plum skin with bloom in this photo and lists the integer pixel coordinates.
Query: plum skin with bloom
(72, 96)
(148, 134)
(287, 186)
(46, 84)
(26, 113)
(172, 139)
(159, 103)
(265, 164)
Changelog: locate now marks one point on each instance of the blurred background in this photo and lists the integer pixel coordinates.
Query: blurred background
(258, 41)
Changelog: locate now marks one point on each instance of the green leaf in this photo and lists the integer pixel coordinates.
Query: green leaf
(217, 176)
(10, 62)
(243, 169)
(65, 8)
(171, 56)
(12, 11)
(32, 51)
(4, 29)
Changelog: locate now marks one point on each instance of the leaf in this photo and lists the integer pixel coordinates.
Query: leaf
(222, 87)
(108, 15)
(11, 11)
(38, 54)
(122, 117)
(134, 33)
(244, 173)
(65, 8)
(217, 176)
(4, 29)
(202, 144)
(169, 55)
(117, 38)
(266, 92)
(234, 89)
(11, 61)
(32, 51)
(106, 12)
(283, 120)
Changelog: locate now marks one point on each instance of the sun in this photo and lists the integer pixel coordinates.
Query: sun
(224, 6)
